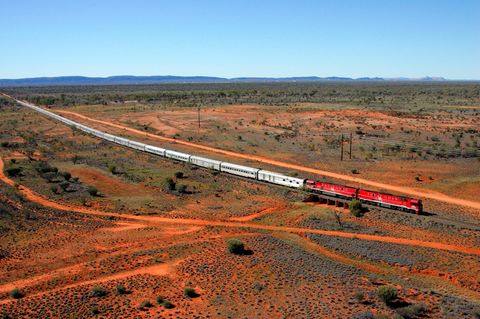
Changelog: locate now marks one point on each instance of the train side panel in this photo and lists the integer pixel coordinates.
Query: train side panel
(155, 150)
(205, 162)
(177, 155)
(279, 179)
(239, 170)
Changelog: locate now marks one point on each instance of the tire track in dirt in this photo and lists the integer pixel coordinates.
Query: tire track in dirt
(430, 194)
(32, 196)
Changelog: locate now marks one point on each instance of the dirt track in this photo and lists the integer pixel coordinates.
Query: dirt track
(400, 189)
(32, 196)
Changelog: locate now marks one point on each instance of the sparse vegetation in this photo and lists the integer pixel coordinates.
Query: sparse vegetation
(387, 294)
(356, 208)
(170, 184)
(236, 247)
(98, 291)
(120, 290)
(412, 311)
(16, 294)
(93, 191)
(146, 304)
(190, 292)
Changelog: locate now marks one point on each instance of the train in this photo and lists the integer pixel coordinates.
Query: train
(327, 189)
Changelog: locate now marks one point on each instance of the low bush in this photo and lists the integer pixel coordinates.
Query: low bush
(236, 247)
(387, 294)
(359, 296)
(168, 305)
(356, 208)
(179, 174)
(16, 294)
(66, 175)
(120, 290)
(64, 185)
(182, 189)
(190, 292)
(13, 171)
(55, 189)
(98, 291)
(412, 311)
(170, 184)
(160, 300)
(145, 304)
(92, 191)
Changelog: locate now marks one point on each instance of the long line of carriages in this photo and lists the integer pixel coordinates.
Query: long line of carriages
(234, 169)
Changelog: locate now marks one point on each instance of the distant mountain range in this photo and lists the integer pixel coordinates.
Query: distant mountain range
(161, 79)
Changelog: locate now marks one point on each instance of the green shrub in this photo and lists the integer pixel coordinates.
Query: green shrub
(160, 300)
(66, 175)
(92, 191)
(120, 290)
(412, 311)
(359, 296)
(190, 292)
(179, 174)
(168, 305)
(64, 185)
(95, 311)
(387, 294)
(98, 291)
(54, 189)
(236, 246)
(16, 294)
(145, 304)
(356, 208)
(170, 184)
(112, 169)
(182, 189)
(13, 171)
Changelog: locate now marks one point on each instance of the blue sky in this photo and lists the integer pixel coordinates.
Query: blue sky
(389, 38)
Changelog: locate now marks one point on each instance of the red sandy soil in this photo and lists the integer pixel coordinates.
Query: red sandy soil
(32, 196)
(400, 189)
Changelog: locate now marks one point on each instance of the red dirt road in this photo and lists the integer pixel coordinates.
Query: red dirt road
(400, 189)
(32, 196)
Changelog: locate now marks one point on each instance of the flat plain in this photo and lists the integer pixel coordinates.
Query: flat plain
(91, 229)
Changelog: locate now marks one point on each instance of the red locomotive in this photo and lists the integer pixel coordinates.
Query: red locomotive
(366, 196)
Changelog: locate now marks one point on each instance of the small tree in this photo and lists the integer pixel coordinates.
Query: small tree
(170, 184)
(168, 305)
(66, 175)
(356, 208)
(16, 294)
(179, 174)
(13, 171)
(92, 191)
(120, 289)
(112, 169)
(236, 246)
(145, 304)
(160, 300)
(387, 294)
(190, 292)
(98, 291)
(182, 189)
(54, 189)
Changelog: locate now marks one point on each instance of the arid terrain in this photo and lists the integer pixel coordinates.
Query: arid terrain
(92, 229)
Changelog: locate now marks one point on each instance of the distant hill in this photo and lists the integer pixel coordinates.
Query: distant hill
(160, 79)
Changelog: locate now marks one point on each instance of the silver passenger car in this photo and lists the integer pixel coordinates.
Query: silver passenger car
(177, 155)
(205, 162)
(155, 150)
(279, 179)
(239, 170)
